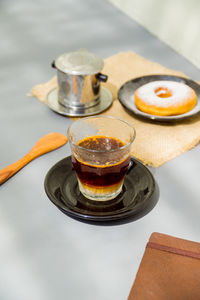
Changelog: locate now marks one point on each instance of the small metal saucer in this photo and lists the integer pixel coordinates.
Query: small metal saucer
(105, 101)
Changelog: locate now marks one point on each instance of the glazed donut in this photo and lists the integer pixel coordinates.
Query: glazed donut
(165, 98)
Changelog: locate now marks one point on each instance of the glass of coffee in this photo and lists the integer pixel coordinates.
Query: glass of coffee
(100, 147)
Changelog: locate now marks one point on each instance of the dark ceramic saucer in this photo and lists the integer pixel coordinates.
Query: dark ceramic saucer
(139, 196)
(127, 90)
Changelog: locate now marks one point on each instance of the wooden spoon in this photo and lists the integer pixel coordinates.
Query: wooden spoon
(45, 144)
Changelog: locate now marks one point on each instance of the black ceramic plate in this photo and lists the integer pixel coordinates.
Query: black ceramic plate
(127, 90)
(139, 195)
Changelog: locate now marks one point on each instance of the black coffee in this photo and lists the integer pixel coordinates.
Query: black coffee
(100, 175)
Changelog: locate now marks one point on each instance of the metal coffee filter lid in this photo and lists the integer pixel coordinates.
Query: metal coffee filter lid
(80, 62)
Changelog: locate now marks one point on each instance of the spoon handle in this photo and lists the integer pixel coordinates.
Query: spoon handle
(10, 170)
(47, 143)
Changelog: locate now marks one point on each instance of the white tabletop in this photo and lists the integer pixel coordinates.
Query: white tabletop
(44, 254)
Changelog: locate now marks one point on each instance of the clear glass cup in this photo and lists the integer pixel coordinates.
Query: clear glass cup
(100, 147)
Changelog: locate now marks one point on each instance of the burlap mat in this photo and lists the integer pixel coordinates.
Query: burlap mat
(155, 143)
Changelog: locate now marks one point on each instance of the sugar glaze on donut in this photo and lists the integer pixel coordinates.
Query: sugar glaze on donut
(165, 98)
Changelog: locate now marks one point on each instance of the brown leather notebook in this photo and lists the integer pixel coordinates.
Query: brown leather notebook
(169, 270)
